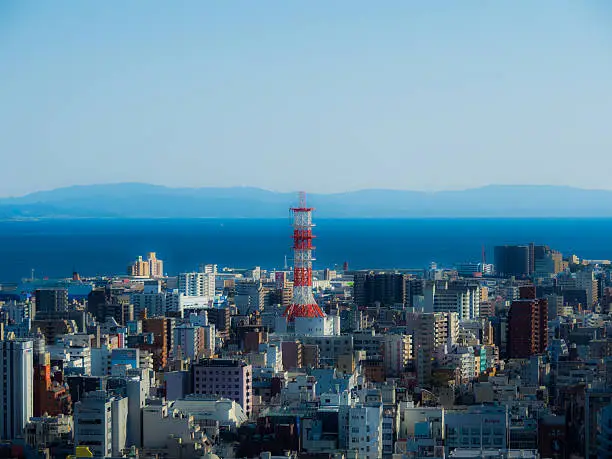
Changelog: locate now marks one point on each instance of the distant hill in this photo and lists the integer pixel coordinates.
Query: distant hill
(134, 200)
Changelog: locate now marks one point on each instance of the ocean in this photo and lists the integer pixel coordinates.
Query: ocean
(55, 248)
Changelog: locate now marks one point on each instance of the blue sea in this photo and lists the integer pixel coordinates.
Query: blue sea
(55, 248)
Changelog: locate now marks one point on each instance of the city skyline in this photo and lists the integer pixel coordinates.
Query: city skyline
(322, 97)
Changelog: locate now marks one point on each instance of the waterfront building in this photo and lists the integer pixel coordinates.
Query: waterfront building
(512, 260)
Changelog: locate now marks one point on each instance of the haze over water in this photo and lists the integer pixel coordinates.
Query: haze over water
(55, 248)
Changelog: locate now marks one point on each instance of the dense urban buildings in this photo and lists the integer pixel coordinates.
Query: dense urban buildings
(510, 359)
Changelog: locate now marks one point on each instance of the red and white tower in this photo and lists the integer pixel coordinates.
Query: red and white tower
(303, 304)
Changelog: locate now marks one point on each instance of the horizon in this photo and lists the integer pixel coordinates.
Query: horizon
(358, 190)
(327, 97)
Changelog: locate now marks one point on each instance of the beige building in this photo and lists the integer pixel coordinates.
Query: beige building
(156, 267)
(151, 267)
(140, 268)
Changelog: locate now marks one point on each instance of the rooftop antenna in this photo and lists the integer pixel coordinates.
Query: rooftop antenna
(286, 267)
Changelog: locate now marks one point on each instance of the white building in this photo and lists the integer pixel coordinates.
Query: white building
(101, 361)
(197, 284)
(226, 412)
(157, 303)
(162, 426)
(100, 422)
(16, 384)
(274, 356)
(365, 430)
(185, 341)
(422, 428)
(317, 326)
(74, 350)
(463, 359)
(462, 299)
(478, 427)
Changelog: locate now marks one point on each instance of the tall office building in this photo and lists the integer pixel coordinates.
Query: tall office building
(384, 288)
(16, 386)
(527, 328)
(513, 260)
(545, 260)
(51, 300)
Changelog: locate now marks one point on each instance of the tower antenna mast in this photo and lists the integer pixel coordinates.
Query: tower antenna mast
(303, 303)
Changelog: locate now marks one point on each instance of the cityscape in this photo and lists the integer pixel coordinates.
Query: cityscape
(510, 358)
(441, 289)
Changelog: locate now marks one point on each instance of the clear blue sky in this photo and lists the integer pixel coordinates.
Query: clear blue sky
(317, 95)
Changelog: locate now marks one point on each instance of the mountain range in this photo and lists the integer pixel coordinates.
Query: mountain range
(137, 200)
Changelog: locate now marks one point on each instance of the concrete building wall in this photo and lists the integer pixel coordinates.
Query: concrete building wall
(119, 411)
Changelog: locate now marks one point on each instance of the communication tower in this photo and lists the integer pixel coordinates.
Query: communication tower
(303, 303)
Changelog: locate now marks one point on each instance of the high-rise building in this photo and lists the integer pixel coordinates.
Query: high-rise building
(512, 260)
(16, 386)
(384, 288)
(162, 329)
(197, 284)
(460, 297)
(156, 266)
(51, 300)
(151, 267)
(140, 268)
(208, 269)
(220, 318)
(101, 303)
(249, 296)
(231, 379)
(546, 262)
(397, 352)
(188, 341)
(585, 280)
(433, 334)
(527, 328)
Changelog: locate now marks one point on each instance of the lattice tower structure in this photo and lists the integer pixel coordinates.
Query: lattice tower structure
(303, 304)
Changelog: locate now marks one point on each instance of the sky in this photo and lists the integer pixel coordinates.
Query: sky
(319, 95)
